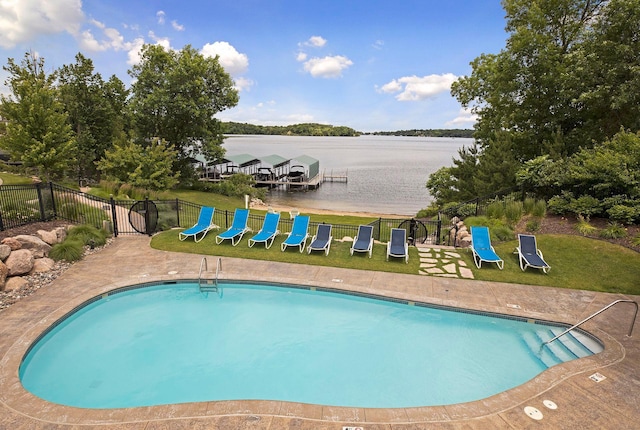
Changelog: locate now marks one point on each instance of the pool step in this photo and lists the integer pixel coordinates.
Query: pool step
(566, 348)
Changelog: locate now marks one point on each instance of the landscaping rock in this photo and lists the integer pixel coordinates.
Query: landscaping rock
(20, 262)
(15, 283)
(61, 233)
(4, 272)
(42, 265)
(34, 244)
(12, 243)
(48, 237)
(5, 250)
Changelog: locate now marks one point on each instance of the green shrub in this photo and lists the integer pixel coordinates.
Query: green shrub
(560, 205)
(586, 206)
(614, 230)
(495, 210)
(624, 214)
(533, 225)
(636, 240)
(513, 211)
(87, 235)
(497, 228)
(528, 205)
(69, 250)
(584, 227)
(539, 209)
(502, 233)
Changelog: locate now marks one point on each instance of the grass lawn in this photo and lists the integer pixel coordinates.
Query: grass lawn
(11, 179)
(576, 262)
(338, 256)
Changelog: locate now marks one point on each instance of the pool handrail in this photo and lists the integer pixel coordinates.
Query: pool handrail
(596, 314)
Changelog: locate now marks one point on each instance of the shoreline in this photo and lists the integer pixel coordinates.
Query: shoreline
(259, 205)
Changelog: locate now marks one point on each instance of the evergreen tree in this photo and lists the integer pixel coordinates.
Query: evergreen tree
(38, 132)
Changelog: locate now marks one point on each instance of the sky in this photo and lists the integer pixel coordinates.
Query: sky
(372, 65)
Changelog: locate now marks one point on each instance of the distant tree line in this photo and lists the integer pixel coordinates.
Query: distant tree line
(457, 132)
(305, 129)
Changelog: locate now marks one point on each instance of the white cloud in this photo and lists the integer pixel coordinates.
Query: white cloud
(162, 41)
(243, 84)
(24, 20)
(112, 39)
(161, 17)
(133, 56)
(327, 67)
(301, 56)
(465, 117)
(378, 44)
(176, 26)
(317, 41)
(414, 88)
(233, 62)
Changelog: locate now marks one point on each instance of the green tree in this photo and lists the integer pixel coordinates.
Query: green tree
(95, 110)
(38, 132)
(175, 97)
(149, 167)
(527, 88)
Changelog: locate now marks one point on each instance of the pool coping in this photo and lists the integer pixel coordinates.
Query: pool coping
(26, 406)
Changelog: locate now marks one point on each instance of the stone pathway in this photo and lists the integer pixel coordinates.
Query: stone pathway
(443, 262)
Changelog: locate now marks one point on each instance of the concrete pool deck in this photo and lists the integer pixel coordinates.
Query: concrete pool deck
(582, 403)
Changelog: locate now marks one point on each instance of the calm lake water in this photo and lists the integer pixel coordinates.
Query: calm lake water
(386, 174)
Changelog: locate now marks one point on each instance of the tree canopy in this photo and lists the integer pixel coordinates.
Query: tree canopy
(567, 80)
(175, 97)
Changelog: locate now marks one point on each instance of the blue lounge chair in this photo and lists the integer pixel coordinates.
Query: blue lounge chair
(363, 242)
(238, 228)
(482, 249)
(529, 254)
(299, 233)
(397, 245)
(268, 232)
(322, 240)
(202, 227)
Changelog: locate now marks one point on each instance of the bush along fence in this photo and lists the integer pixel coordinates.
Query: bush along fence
(42, 202)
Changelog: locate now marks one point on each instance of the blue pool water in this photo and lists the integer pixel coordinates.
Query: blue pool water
(171, 343)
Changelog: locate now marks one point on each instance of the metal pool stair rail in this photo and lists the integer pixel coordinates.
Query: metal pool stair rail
(209, 284)
(598, 313)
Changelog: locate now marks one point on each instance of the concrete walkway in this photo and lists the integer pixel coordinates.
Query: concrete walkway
(597, 392)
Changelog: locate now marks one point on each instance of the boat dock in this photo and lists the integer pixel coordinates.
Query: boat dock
(336, 177)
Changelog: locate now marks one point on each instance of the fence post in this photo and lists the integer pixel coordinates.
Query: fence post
(178, 211)
(40, 201)
(54, 207)
(438, 229)
(146, 216)
(113, 216)
(379, 223)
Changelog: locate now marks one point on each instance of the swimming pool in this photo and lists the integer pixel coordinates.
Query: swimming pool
(170, 343)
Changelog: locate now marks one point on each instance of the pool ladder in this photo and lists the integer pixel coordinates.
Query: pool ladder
(209, 284)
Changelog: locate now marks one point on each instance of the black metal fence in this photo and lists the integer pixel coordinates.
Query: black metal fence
(27, 204)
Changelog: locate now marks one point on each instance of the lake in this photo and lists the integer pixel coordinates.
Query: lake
(387, 174)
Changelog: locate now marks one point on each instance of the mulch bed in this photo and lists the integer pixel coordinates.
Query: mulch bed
(555, 224)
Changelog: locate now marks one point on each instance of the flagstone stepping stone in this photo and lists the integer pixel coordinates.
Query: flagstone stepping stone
(451, 268)
(447, 275)
(466, 273)
(452, 254)
(434, 270)
(462, 263)
(428, 260)
(426, 265)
